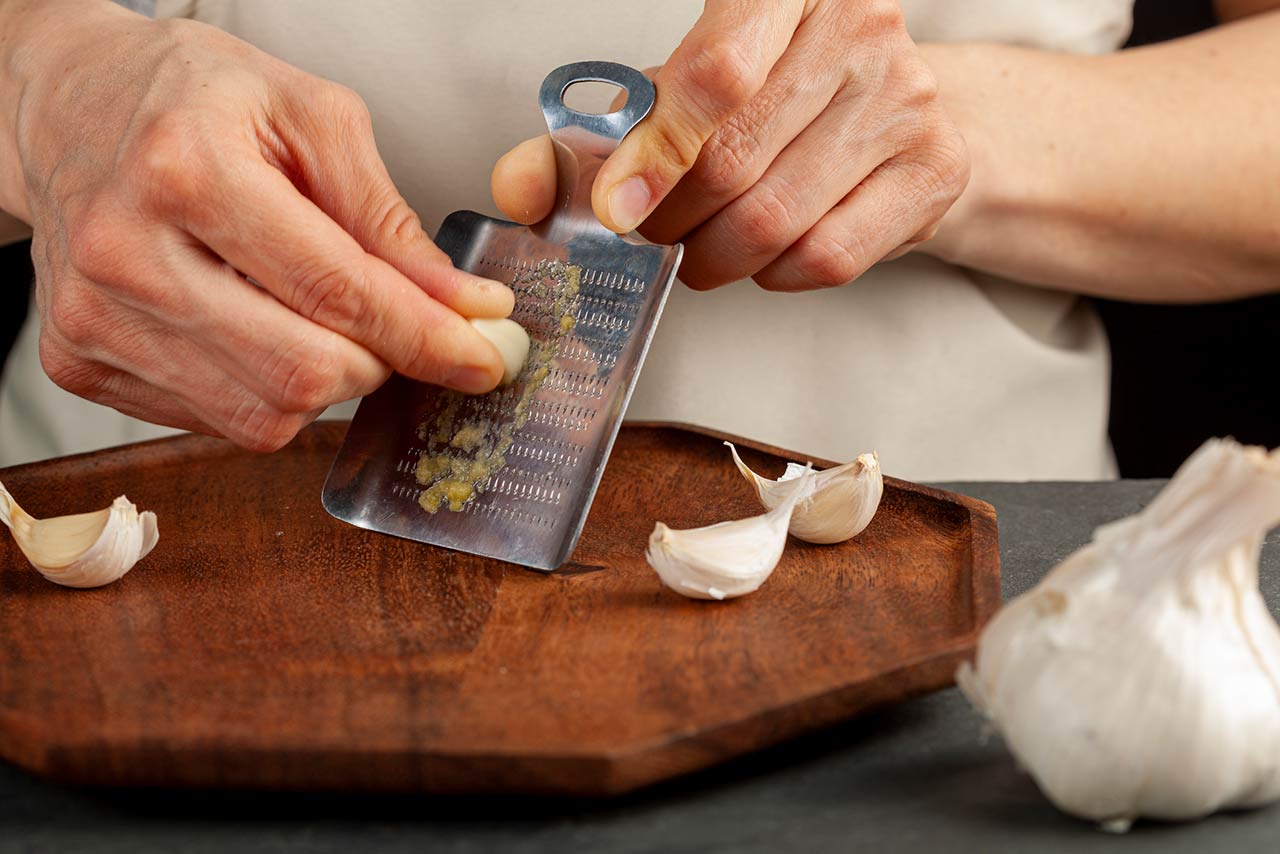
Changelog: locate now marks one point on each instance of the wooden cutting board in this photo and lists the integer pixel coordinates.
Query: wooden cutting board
(265, 644)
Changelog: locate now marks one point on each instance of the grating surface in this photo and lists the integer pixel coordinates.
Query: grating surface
(544, 439)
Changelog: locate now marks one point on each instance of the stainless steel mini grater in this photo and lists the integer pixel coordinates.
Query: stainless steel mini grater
(590, 300)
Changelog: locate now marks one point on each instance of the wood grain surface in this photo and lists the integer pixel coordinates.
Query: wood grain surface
(264, 644)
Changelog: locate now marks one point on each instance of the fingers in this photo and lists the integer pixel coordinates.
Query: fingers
(811, 136)
(293, 364)
(152, 373)
(715, 71)
(878, 219)
(523, 182)
(118, 390)
(182, 340)
(800, 186)
(147, 301)
(337, 159)
(312, 265)
(742, 149)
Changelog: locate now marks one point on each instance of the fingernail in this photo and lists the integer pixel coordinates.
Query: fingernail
(471, 379)
(499, 297)
(489, 286)
(628, 203)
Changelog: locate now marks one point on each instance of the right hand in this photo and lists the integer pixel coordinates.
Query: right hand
(795, 142)
(218, 245)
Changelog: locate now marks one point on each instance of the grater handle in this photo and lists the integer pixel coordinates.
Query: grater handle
(584, 140)
(615, 125)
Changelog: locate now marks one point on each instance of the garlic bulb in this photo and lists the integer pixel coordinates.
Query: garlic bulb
(844, 498)
(510, 339)
(728, 559)
(1141, 677)
(84, 550)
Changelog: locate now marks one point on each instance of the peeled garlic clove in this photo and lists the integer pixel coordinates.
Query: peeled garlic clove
(1141, 677)
(728, 559)
(511, 340)
(84, 550)
(844, 500)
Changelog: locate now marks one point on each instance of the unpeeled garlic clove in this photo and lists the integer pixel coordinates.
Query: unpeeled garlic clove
(86, 549)
(728, 559)
(511, 340)
(844, 500)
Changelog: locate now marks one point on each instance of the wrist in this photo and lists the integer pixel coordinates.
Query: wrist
(953, 65)
(40, 41)
(995, 94)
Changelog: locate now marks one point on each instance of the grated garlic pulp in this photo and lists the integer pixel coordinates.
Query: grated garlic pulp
(468, 437)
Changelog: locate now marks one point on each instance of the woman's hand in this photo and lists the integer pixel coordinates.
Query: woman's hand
(797, 142)
(218, 245)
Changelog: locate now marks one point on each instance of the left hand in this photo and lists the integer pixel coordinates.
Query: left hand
(796, 142)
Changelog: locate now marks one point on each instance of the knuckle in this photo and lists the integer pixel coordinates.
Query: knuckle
(725, 167)
(943, 167)
(398, 222)
(883, 16)
(827, 262)
(303, 377)
(168, 166)
(333, 296)
(96, 244)
(347, 106)
(72, 315)
(917, 83)
(952, 157)
(763, 218)
(724, 72)
(921, 90)
(68, 371)
(258, 426)
(677, 146)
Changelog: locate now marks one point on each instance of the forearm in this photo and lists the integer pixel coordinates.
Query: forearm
(1147, 175)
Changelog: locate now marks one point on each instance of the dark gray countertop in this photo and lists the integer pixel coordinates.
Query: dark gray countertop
(917, 777)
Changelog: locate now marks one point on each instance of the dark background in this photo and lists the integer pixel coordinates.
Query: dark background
(15, 279)
(1180, 373)
(1183, 373)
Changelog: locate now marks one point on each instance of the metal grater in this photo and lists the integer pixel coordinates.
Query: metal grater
(531, 509)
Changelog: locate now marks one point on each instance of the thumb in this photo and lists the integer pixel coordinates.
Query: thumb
(714, 72)
(523, 182)
(344, 175)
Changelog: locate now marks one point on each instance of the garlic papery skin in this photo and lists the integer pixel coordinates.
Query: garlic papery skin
(84, 550)
(1141, 677)
(844, 500)
(511, 341)
(728, 559)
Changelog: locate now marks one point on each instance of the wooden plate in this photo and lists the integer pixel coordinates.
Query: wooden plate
(265, 644)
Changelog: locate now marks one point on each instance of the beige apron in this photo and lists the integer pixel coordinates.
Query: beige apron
(947, 374)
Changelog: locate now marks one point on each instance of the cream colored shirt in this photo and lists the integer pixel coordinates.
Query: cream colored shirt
(945, 373)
